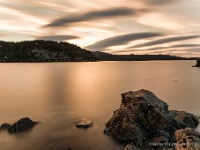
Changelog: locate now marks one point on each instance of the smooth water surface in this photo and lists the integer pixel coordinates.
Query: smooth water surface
(57, 94)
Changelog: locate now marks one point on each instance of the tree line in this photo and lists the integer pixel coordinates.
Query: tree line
(44, 51)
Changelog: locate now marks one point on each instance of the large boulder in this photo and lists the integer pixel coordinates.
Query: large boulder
(21, 125)
(143, 118)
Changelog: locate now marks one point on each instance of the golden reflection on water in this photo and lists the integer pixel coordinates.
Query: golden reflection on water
(59, 93)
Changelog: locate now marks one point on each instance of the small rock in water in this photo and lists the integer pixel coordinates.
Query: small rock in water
(21, 125)
(5, 126)
(84, 123)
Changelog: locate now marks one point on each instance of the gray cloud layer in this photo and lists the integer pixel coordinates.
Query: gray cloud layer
(166, 40)
(176, 46)
(30, 8)
(58, 37)
(114, 12)
(121, 39)
(194, 50)
(159, 2)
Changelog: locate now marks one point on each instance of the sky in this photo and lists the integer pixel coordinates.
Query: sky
(114, 26)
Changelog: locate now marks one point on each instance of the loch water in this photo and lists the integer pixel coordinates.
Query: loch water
(57, 94)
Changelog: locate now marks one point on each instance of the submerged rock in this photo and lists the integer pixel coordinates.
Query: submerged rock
(143, 118)
(197, 64)
(84, 123)
(21, 125)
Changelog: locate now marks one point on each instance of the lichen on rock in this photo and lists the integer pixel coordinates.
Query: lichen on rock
(187, 139)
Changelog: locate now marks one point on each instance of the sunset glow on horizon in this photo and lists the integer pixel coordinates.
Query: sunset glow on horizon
(114, 26)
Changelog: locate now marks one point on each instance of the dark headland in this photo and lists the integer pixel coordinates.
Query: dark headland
(52, 51)
(197, 64)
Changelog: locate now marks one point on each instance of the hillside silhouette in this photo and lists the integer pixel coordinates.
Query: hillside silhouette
(43, 51)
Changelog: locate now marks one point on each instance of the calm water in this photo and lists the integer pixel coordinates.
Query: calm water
(57, 94)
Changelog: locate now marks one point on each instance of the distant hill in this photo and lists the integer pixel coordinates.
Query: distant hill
(101, 56)
(43, 51)
(51, 51)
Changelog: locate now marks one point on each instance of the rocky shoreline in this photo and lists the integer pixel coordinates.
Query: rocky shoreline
(143, 121)
(197, 63)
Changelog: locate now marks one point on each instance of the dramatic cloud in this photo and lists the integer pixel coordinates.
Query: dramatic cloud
(58, 37)
(121, 39)
(92, 22)
(109, 13)
(166, 40)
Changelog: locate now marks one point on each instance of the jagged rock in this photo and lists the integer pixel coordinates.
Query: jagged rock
(5, 126)
(143, 118)
(187, 139)
(21, 125)
(197, 64)
(84, 123)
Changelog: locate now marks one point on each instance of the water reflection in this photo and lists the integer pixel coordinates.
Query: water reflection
(59, 93)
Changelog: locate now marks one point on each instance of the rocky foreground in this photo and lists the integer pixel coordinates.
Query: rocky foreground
(144, 122)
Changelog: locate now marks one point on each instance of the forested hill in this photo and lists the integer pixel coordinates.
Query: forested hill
(43, 51)
(110, 57)
(51, 51)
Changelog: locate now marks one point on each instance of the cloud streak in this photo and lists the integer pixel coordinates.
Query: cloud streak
(121, 39)
(158, 2)
(175, 46)
(166, 40)
(33, 8)
(57, 37)
(2, 34)
(93, 15)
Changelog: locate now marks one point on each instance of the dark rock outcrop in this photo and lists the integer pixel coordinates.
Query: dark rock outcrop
(143, 118)
(21, 125)
(84, 123)
(197, 64)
